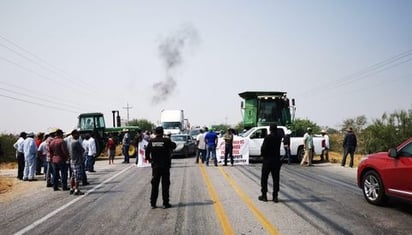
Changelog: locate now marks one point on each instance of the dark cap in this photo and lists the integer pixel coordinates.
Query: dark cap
(59, 132)
(159, 130)
(23, 134)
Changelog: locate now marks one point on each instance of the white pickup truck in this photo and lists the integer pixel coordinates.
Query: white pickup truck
(256, 135)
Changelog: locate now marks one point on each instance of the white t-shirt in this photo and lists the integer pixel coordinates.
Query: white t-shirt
(326, 137)
(91, 146)
(200, 138)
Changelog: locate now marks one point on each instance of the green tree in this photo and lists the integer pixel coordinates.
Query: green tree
(220, 127)
(358, 123)
(7, 152)
(300, 126)
(388, 131)
(239, 127)
(142, 123)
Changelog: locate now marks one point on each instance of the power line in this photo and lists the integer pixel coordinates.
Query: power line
(37, 97)
(53, 69)
(86, 91)
(374, 72)
(367, 72)
(34, 72)
(46, 95)
(39, 104)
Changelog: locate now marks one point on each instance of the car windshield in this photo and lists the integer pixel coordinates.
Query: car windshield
(247, 132)
(194, 132)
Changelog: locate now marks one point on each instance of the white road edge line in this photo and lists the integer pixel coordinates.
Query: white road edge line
(38, 222)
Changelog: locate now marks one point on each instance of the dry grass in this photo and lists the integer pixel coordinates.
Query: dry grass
(6, 184)
(336, 157)
(10, 165)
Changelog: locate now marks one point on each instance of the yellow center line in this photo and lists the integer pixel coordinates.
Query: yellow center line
(224, 221)
(249, 203)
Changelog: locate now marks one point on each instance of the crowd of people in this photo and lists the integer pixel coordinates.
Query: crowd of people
(64, 159)
(61, 157)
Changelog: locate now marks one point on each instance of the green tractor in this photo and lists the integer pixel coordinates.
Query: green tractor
(95, 125)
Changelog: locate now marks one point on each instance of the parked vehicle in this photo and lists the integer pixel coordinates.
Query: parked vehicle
(256, 135)
(387, 174)
(185, 145)
(194, 132)
(173, 121)
(94, 124)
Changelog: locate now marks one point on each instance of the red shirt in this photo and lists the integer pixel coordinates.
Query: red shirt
(58, 150)
(111, 144)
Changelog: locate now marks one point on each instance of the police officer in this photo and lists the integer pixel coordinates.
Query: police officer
(270, 151)
(158, 153)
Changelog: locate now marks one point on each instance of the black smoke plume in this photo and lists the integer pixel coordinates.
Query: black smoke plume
(171, 53)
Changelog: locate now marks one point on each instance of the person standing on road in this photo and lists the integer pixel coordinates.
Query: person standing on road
(49, 171)
(308, 147)
(30, 156)
(349, 146)
(39, 158)
(59, 155)
(286, 146)
(111, 149)
(211, 143)
(42, 153)
(83, 167)
(228, 137)
(325, 146)
(91, 154)
(270, 151)
(125, 146)
(158, 153)
(76, 159)
(20, 154)
(201, 146)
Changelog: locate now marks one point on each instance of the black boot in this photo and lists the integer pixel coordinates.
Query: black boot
(263, 198)
(275, 198)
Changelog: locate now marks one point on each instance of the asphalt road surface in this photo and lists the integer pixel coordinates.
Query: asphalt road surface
(323, 199)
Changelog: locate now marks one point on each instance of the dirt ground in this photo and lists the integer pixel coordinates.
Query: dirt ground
(11, 187)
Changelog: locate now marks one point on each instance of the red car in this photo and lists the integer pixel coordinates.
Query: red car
(387, 174)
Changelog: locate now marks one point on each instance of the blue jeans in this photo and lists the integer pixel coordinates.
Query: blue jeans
(211, 150)
(287, 154)
(125, 150)
(89, 162)
(61, 168)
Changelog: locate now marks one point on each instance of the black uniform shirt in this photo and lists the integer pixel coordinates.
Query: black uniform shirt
(270, 149)
(158, 151)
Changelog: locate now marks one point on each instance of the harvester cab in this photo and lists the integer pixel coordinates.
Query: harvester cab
(262, 108)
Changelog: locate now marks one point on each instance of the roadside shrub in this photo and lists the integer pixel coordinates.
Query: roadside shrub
(7, 152)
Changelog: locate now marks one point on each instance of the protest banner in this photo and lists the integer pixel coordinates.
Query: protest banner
(142, 162)
(240, 151)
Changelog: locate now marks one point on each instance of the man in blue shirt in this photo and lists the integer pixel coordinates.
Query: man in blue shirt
(211, 143)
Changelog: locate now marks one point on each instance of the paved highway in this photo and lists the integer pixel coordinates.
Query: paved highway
(323, 199)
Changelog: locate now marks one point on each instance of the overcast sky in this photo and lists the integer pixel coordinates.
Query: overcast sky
(338, 59)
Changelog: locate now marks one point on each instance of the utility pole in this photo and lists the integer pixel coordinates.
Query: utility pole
(127, 107)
